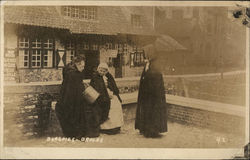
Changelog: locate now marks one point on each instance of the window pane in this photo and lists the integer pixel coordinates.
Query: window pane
(47, 58)
(48, 44)
(36, 43)
(23, 42)
(36, 58)
(69, 56)
(23, 58)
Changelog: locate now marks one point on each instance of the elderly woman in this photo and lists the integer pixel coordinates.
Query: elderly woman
(76, 117)
(151, 116)
(109, 101)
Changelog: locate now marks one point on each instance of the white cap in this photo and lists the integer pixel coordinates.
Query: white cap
(103, 65)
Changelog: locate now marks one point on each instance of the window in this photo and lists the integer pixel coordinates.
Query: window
(137, 59)
(109, 46)
(75, 12)
(67, 11)
(70, 52)
(24, 58)
(86, 13)
(23, 43)
(136, 21)
(94, 47)
(35, 53)
(85, 46)
(188, 12)
(125, 48)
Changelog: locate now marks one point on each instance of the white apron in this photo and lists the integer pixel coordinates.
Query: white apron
(115, 118)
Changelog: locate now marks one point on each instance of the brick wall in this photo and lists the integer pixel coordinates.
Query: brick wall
(28, 109)
(25, 103)
(207, 119)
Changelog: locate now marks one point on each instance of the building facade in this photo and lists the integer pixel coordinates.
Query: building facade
(40, 40)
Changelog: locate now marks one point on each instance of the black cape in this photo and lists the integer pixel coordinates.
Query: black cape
(76, 117)
(151, 113)
(103, 102)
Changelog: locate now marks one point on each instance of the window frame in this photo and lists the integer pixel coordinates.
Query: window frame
(71, 47)
(136, 20)
(87, 13)
(134, 60)
(31, 49)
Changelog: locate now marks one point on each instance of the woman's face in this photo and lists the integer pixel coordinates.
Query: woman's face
(102, 71)
(80, 66)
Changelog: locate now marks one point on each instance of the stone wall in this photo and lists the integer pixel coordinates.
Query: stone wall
(39, 75)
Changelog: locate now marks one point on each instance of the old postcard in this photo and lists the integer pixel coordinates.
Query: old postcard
(125, 79)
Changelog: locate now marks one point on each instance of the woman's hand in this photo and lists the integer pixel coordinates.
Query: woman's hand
(111, 94)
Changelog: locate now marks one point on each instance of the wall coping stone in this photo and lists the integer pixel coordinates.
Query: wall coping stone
(194, 103)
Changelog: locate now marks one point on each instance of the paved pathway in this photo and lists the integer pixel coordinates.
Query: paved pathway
(178, 136)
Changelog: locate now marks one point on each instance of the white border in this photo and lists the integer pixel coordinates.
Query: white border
(247, 85)
(129, 3)
(129, 153)
(1, 79)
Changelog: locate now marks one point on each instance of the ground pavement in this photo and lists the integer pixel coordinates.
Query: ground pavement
(178, 136)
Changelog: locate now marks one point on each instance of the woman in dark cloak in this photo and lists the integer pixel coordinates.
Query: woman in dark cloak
(104, 83)
(76, 117)
(151, 115)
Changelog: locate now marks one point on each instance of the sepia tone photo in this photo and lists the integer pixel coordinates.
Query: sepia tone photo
(129, 76)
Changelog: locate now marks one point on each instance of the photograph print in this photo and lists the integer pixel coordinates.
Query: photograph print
(126, 76)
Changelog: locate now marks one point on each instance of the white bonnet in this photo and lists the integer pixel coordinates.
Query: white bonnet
(103, 65)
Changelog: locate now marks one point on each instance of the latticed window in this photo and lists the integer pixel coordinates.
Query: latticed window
(94, 47)
(47, 58)
(37, 43)
(75, 12)
(125, 48)
(92, 13)
(86, 12)
(70, 52)
(120, 49)
(24, 58)
(136, 20)
(48, 44)
(85, 46)
(67, 11)
(35, 52)
(108, 46)
(36, 58)
(137, 59)
(23, 42)
(69, 56)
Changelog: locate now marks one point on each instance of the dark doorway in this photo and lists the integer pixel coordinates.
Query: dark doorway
(118, 66)
(92, 61)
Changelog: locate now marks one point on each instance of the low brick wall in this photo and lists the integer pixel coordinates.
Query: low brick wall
(28, 113)
(28, 107)
(207, 119)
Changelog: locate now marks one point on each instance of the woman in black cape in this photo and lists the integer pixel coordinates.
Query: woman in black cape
(151, 115)
(76, 117)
